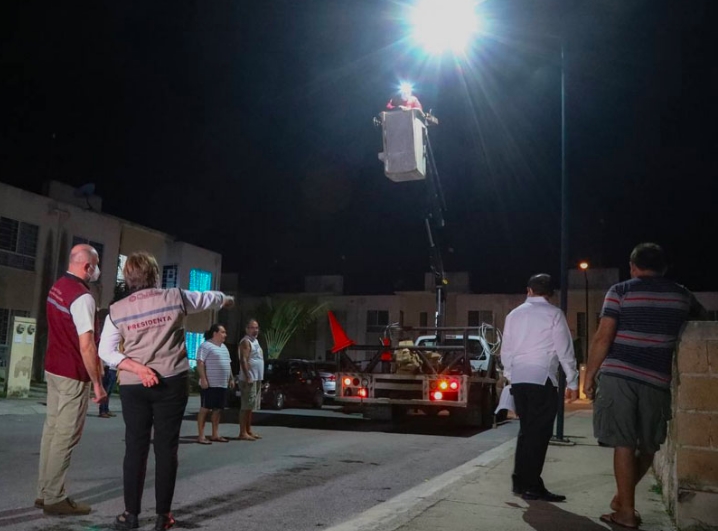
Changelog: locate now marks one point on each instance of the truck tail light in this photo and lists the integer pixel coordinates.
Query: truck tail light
(437, 395)
(347, 381)
(362, 392)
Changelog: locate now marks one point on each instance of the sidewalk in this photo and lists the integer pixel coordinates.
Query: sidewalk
(477, 495)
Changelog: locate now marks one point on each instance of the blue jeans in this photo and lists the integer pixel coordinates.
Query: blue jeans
(108, 382)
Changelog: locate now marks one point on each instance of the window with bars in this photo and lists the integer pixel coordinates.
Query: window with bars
(18, 243)
(99, 247)
(376, 321)
(192, 342)
(476, 317)
(200, 280)
(170, 276)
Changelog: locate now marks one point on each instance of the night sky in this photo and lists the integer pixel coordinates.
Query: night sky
(246, 127)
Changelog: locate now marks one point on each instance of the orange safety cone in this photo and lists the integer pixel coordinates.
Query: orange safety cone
(341, 341)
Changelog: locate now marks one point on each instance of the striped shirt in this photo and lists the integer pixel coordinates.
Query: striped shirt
(216, 363)
(650, 312)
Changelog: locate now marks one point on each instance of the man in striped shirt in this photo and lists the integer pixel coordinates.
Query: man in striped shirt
(632, 352)
(215, 374)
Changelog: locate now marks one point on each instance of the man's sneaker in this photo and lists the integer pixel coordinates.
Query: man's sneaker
(104, 415)
(39, 503)
(67, 507)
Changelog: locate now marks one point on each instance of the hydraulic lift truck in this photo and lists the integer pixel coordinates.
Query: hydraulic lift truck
(441, 377)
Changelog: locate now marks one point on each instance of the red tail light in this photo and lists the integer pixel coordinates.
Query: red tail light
(331, 378)
(437, 395)
(362, 393)
(454, 385)
(347, 381)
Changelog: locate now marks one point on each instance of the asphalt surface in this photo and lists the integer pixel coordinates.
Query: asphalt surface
(312, 469)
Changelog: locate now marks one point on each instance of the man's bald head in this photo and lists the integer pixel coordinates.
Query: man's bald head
(83, 261)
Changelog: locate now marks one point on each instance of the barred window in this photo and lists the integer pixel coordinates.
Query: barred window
(192, 342)
(18, 244)
(170, 276)
(200, 280)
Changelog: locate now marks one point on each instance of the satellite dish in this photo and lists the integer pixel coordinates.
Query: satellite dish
(86, 191)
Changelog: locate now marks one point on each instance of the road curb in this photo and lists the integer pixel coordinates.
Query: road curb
(400, 509)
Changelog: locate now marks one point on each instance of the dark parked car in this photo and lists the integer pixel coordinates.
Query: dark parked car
(291, 382)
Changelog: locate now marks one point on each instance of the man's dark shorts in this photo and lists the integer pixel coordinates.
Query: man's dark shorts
(630, 414)
(213, 398)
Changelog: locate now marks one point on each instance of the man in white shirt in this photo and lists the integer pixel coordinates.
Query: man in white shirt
(536, 339)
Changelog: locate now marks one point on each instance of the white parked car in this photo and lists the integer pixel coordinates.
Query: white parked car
(329, 379)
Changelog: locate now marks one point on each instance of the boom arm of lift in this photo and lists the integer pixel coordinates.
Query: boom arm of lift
(434, 221)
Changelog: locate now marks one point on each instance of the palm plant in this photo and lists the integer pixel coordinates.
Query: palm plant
(285, 318)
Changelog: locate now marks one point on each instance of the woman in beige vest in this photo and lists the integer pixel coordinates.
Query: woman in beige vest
(153, 378)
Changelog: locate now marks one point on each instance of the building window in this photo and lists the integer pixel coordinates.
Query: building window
(170, 276)
(200, 280)
(18, 244)
(376, 321)
(423, 319)
(6, 316)
(477, 317)
(192, 342)
(99, 247)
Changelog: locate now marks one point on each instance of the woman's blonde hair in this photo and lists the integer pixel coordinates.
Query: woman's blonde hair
(141, 271)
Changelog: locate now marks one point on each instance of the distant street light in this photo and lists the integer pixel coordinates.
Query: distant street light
(444, 25)
(584, 268)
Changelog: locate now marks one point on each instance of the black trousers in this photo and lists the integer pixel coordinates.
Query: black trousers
(536, 406)
(161, 406)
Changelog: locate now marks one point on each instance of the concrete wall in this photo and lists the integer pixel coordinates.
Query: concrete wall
(688, 463)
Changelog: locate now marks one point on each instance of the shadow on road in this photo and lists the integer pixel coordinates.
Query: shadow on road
(335, 420)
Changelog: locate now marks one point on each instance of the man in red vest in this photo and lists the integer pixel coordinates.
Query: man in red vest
(71, 365)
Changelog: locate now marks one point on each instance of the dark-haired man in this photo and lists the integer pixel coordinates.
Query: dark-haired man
(536, 340)
(633, 349)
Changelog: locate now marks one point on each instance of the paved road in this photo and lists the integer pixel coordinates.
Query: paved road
(312, 469)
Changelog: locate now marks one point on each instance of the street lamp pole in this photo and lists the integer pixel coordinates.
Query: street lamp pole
(564, 245)
(584, 268)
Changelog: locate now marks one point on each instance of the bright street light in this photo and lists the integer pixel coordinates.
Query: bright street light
(444, 25)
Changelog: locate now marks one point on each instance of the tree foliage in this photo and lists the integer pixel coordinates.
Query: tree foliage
(280, 321)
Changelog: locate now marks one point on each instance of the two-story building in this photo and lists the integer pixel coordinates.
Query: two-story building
(37, 232)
